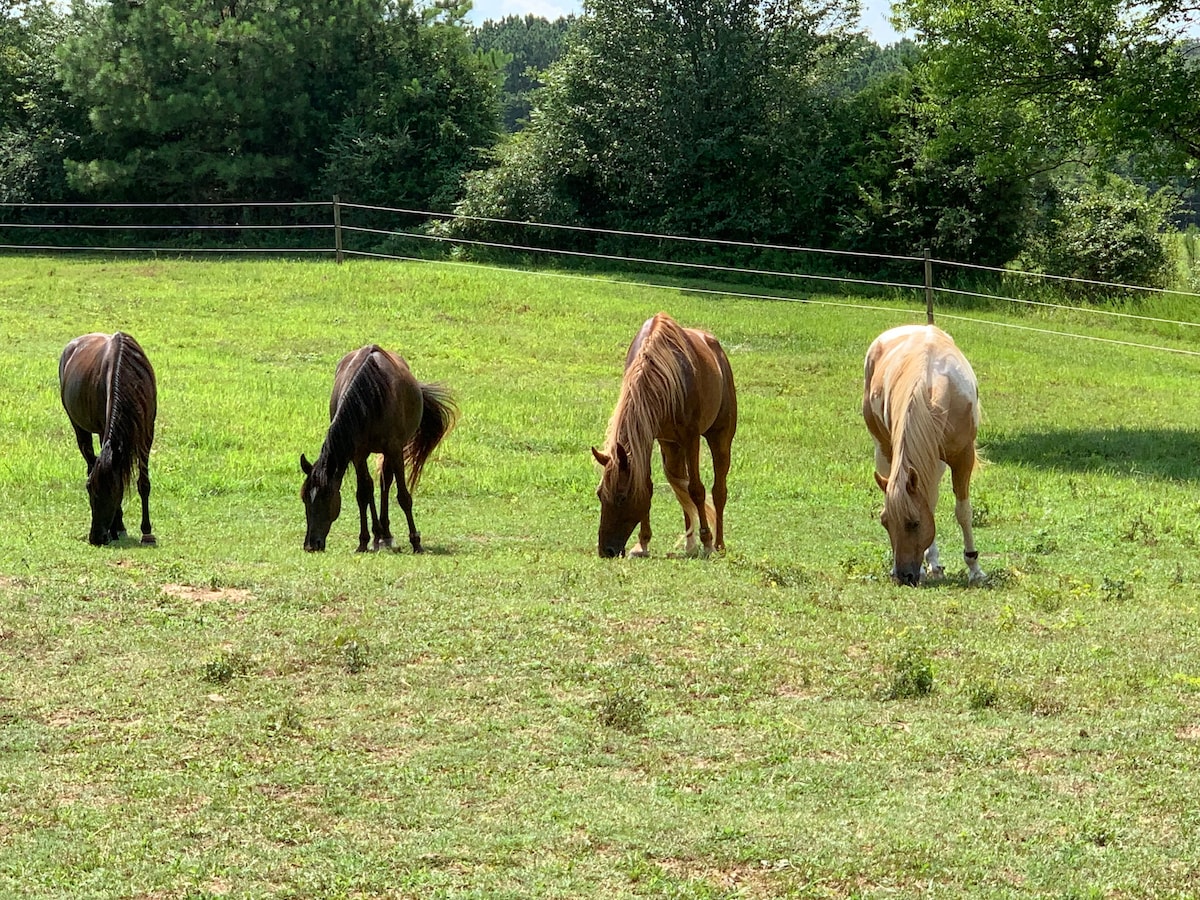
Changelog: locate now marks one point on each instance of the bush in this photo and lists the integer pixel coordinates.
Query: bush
(1109, 231)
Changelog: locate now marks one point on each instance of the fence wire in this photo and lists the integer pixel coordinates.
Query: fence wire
(335, 212)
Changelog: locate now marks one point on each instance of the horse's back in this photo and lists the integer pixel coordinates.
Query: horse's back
(393, 414)
(706, 379)
(911, 355)
(82, 382)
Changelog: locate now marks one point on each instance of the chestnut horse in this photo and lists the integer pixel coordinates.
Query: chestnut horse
(677, 387)
(377, 407)
(108, 389)
(921, 405)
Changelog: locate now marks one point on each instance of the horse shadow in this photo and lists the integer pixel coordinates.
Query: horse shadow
(1168, 453)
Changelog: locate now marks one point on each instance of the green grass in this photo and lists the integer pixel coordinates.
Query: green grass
(510, 716)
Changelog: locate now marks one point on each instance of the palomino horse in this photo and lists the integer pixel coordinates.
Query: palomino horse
(108, 389)
(677, 387)
(377, 407)
(921, 405)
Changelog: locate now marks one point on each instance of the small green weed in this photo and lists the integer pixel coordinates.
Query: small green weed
(983, 693)
(355, 653)
(225, 667)
(1115, 590)
(912, 675)
(623, 708)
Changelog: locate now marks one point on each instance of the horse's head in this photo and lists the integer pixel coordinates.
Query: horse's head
(909, 523)
(623, 504)
(105, 493)
(322, 505)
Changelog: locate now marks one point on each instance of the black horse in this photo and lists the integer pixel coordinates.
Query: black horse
(108, 388)
(377, 407)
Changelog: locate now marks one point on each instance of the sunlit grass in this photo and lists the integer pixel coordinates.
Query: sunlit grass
(508, 715)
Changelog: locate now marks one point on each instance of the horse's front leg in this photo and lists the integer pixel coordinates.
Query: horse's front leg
(642, 547)
(364, 493)
(960, 474)
(144, 493)
(933, 562)
(675, 467)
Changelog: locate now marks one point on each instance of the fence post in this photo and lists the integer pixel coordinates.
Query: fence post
(928, 288)
(337, 228)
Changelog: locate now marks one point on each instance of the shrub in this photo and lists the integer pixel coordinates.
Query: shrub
(1109, 230)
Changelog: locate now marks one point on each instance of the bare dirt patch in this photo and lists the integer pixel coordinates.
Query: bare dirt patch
(207, 595)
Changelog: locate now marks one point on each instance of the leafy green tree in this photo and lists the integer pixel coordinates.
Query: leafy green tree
(38, 125)
(195, 100)
(915, 180)
(526, 47)
(694, 116)
(426, 118)
(1092, 77)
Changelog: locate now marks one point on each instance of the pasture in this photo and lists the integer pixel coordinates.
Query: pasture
(507, 715)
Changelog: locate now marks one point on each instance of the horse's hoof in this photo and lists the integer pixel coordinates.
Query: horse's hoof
(976, 578)
(639, 554)
(149, 539)
(937, 573)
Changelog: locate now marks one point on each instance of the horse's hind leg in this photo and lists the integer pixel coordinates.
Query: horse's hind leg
(144, 492)
(83, 438)
(960, 474)
(364, 493)
(383, 529)
(404, 498)
(719, 449)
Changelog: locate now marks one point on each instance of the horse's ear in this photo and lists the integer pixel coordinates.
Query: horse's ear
(305, 465)
(881, 481)
(913, 486)
(622, 458)
(600, 457)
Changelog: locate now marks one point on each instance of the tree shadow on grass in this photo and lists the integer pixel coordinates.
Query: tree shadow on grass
(1156, 452)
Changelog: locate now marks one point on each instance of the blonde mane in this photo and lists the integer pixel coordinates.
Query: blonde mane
(916, 435)
(653, 391)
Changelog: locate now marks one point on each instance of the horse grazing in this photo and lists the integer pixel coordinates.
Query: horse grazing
(921, 405)
(377, 407)
(677, 387)
(108, 388)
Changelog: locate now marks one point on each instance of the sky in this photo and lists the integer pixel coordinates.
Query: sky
(874, 17)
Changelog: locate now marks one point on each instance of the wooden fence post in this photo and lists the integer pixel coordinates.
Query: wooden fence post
(928, 288)
(337, 228)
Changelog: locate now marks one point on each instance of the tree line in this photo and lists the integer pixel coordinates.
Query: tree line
(1059, 137)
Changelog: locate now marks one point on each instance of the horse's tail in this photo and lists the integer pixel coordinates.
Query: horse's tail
(439, 412)
(134, 400)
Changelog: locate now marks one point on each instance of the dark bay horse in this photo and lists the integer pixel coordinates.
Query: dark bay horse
(921, 405)
(108, 389)
(677, 388)
(377, 407)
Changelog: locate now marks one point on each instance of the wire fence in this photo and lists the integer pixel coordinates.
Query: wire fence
(761, 271)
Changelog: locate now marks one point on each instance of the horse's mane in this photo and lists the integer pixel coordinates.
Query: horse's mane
(916, 434)
(653, 390)
(362, 400)
(129, 432)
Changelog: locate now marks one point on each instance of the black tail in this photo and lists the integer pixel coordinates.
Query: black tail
(134, 403)
(438, 415)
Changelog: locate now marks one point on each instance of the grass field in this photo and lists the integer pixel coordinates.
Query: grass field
(508, 715)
